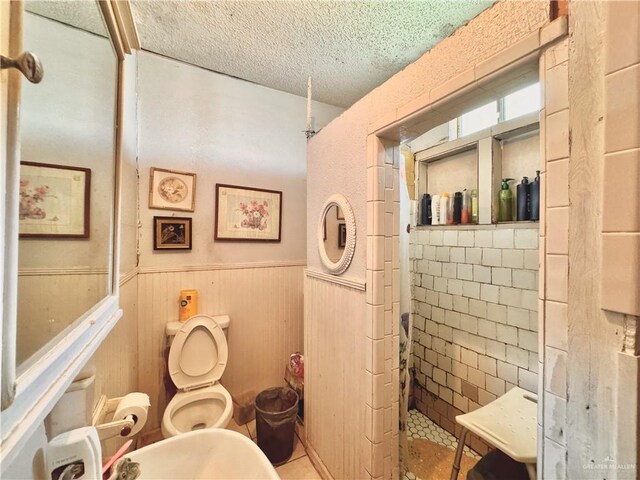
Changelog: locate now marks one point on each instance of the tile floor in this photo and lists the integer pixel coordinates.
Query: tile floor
(421, 426)
(299, 467)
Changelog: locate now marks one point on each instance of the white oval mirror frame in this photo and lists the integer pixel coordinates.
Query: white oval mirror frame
(341, 265)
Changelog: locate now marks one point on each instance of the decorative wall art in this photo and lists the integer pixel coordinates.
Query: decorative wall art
(342, 235)
(172, 190)
(54, 201)
(171, 233)
(247, 214)
(339, 214)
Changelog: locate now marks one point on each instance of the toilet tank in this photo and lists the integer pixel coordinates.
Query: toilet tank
(174, 327)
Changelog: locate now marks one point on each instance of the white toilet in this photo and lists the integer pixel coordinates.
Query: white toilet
(197, 359)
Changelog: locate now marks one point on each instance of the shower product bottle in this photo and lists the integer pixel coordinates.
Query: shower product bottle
(505, 202)
(435, 210)
(444, 207)
(464, 216)
(535, 197)
(457, 208)
(450, 211)
(522, 200)
(425, 210)
(474, 206)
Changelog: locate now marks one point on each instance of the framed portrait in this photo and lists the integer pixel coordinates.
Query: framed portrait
(247, 214)
(342, 235)
(172, 190)
(54, 201)
(172, 233)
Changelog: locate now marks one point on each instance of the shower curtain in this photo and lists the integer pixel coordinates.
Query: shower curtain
(405, 319)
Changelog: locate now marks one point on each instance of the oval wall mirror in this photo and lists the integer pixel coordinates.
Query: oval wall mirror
(336, 234)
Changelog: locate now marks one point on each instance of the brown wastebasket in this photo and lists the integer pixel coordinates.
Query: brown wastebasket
(276, 410)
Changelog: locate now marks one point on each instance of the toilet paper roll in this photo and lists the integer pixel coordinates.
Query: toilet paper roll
(136, 404)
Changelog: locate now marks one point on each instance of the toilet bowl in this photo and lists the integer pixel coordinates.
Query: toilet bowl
(197, 359)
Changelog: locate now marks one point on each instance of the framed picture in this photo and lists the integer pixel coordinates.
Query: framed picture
(339, 214)
(247, 214)
(342, 235)
(54, 201)
(172, 190)
(171, 233)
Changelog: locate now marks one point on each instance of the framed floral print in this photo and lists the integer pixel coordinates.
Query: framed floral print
(342, 235)
(172, 233)
(247, 214)
(54, 201)
(172, 190)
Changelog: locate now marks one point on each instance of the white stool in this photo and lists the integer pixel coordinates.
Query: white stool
(509, 424)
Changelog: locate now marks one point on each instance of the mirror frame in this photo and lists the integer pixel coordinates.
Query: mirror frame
(339, 267)
(28, 398)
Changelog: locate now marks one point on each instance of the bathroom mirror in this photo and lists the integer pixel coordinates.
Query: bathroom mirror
(336, 234)
(67, 173)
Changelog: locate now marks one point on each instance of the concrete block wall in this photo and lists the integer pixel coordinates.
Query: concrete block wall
(475, 319)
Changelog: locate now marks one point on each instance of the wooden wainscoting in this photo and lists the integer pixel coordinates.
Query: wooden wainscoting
(334, 374)
(265, 303)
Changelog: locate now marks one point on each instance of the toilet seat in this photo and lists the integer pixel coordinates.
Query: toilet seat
(198, 354)
(188, 411)
(197, 359)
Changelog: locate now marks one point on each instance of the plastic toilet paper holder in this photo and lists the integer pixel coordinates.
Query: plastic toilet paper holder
(105, 409)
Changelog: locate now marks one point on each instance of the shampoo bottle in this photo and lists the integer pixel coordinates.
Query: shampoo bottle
(535, 197)
(444, 208)
(457, 208)
(505, 202)
(435, 210)
(522, 200)
(474, 206)
(425, 210)
(464, 217)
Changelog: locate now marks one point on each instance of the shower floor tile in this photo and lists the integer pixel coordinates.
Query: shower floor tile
(420, 426)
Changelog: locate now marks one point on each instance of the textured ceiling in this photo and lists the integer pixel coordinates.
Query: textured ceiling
(78, 13)
(348, 47)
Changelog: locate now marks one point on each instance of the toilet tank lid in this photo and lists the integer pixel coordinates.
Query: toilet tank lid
(173, 327)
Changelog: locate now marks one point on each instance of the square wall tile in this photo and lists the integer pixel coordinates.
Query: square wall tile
(542, 313)
(375, 322)
(558, 183)
(620, 187)
(621, 272)
(543, 204)
(556, 90)
(558, 53)
(557, 273)
(556, 323)
(558, 230)
(555, 460)
(622, 41)
(555, 375)
(376, 184)
(622, 116)
(542, 255)
(557, 136)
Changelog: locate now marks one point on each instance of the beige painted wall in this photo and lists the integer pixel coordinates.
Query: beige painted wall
(226, 131)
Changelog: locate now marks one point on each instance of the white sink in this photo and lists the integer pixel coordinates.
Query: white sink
(211, 454)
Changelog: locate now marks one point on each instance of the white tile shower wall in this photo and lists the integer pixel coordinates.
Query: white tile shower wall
(475, 312)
